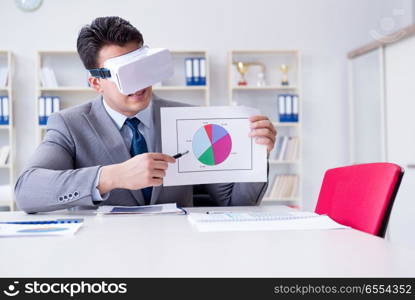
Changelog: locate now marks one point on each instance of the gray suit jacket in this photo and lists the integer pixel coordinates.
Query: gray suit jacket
(80, 140)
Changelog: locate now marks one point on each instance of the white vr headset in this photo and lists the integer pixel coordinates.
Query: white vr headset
(137, 70)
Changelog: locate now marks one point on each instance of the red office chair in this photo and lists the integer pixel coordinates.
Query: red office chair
(360, 196)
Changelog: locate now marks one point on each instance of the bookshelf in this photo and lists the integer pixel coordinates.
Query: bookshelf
(261, 91)
(176, 89)
(72, 83)
(7, 171)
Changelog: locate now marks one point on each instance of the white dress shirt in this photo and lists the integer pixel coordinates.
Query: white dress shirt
(146, 122)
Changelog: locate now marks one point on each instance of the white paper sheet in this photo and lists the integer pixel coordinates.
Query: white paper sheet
(15, 230)
(220, 149)
(170, 208)
(262, 221)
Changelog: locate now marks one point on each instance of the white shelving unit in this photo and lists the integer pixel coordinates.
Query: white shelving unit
(7, 172)
(72, 82)
(265, 98)
(176, 88)
(73, 88)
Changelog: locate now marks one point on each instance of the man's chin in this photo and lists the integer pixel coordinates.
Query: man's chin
(136, 105)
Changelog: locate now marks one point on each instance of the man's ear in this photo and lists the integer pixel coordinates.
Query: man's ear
(95, 83)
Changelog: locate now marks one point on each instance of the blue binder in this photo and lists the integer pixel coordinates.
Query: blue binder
(188, 68)
(282, 115)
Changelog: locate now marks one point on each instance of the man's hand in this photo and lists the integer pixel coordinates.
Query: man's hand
(263, 131)
(141, 171)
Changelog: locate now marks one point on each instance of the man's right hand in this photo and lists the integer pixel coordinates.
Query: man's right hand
(141, 171)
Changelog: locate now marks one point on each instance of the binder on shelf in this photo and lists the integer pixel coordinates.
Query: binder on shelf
(196, 71)
(56, 104)
(189, 71)
(4, 110)
(202, 62)
(295, 108)
(288, 108)
(48, 108)
(42, 111)
(281, 108)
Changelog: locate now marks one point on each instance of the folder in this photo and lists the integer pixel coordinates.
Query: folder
(56, 104)
(295, 108)
(281, 108)
(1, 111)
(5, 110)
(48, 108)
(196, 71)
(189, 71)
(42, 111)
(288, 108)
(202, 62)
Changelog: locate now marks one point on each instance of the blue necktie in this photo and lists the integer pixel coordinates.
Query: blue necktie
(138, 146)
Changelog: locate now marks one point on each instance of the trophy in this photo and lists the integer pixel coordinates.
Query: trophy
(242, 69)
(284, 71)
(261, 79)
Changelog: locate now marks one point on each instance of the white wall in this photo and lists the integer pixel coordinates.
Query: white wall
(324, 30)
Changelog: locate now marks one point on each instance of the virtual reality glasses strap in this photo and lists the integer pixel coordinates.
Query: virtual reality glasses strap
(100, 73)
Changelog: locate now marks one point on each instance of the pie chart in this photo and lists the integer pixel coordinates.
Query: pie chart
(211, 144)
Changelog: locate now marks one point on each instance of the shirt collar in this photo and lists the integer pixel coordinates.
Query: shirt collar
(144, 115)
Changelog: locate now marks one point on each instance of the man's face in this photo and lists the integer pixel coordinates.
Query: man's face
(128, 105)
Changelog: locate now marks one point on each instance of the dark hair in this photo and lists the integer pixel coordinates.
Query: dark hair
(104, 31)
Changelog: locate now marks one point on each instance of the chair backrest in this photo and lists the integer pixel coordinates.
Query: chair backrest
(360, 196)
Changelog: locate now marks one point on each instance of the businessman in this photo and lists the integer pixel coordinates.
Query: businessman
(108, 151)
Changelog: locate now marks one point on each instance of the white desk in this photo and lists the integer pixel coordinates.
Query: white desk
(168, 246)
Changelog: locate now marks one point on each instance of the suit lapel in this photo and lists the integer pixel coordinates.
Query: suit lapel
(110, 137)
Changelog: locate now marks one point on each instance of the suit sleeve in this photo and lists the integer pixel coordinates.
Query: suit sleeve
(50, 181)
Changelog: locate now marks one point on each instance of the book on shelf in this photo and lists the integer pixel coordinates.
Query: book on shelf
(286, 148)
(284, 186)
(48, 78)
(4, 155)
(4, 74)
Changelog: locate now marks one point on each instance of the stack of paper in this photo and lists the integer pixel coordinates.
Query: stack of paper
(170, 208)
(262, 221)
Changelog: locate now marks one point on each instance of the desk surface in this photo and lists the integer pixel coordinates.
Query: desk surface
(168, 246)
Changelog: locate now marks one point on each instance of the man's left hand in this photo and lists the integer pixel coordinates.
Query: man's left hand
(263, 131)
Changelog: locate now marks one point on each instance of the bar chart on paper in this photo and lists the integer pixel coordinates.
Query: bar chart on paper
(212, 144)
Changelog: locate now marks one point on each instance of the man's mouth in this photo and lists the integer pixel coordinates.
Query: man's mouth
(138, 93)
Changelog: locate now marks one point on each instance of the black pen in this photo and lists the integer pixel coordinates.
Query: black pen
(178, 155)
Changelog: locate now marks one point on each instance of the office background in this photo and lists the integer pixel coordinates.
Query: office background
(323, 30)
